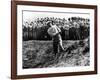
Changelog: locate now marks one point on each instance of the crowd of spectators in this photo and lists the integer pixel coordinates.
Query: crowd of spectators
(73, 28)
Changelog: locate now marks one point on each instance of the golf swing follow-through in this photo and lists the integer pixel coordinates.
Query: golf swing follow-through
(54, 31)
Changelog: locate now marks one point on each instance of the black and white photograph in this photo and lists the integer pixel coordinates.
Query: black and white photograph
(55, 39)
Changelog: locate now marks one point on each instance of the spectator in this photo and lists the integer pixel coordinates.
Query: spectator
(72, 28)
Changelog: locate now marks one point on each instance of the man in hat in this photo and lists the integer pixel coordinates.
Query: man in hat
(54, 32)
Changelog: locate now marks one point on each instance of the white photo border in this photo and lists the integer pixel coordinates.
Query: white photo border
(21, 71)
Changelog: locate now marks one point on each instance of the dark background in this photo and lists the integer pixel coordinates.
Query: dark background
(72, 33)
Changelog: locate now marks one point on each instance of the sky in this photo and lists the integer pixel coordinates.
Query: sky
(32, 15)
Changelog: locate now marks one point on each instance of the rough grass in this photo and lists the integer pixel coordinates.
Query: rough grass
(39, 54)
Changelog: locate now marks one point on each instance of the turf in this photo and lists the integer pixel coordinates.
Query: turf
(39, 54)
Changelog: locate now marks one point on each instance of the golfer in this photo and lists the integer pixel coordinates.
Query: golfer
(55, 31)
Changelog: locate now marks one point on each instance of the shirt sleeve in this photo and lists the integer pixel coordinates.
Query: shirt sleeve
(59, 30)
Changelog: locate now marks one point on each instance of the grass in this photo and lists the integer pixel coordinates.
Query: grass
(39, 54)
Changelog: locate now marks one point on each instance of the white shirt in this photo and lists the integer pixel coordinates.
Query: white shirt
(53, 30)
